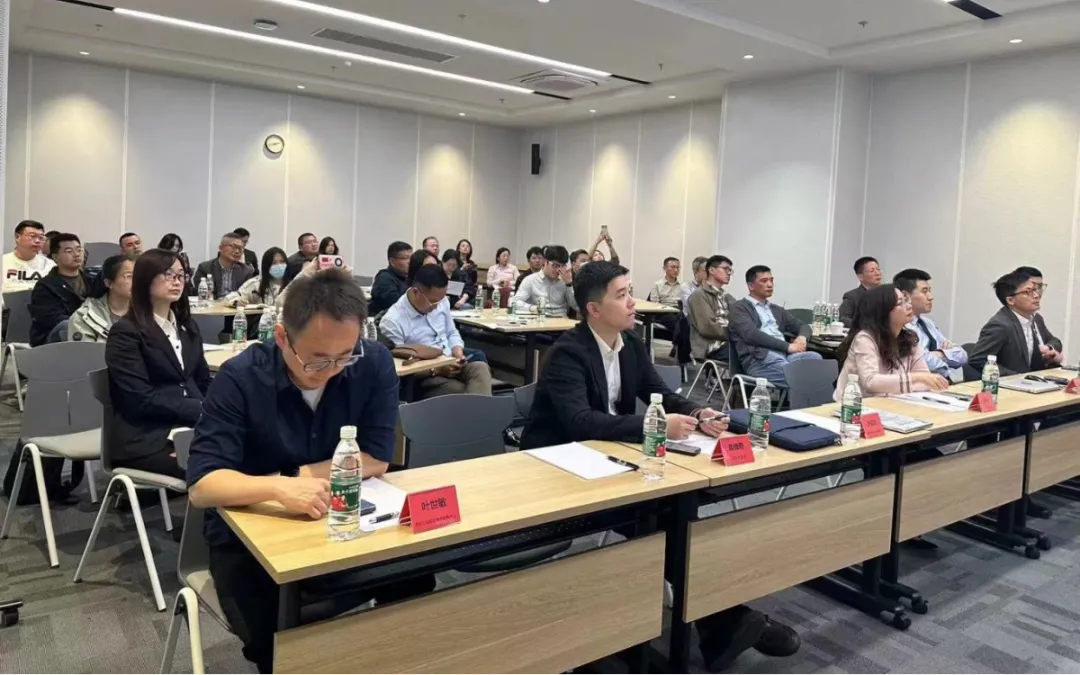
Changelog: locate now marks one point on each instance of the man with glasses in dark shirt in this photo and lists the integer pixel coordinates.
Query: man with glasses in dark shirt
(268, 431)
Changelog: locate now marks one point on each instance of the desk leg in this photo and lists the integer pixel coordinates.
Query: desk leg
(288, 606)
(677, 568)
(647, 324)
(530, 357)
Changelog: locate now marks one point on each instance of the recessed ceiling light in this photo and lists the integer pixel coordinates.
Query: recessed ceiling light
(461, 114)
(748, 56)
(544, 2)
(84, 53)
(300, 86)
(1015, 41)
(434, 35)
(265, 24)
(672, 96)
(315, 49)
(592, 111)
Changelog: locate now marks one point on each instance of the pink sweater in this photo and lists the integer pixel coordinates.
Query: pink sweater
(875, 377)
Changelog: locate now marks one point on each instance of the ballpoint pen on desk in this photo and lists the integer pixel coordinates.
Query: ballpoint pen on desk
(623, 462)
(384, 517)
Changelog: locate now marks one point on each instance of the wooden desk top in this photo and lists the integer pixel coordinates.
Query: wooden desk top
(220, 309)
(490, 320)
(776, 460)
(650, 307)
(497, 494)
(217, 357)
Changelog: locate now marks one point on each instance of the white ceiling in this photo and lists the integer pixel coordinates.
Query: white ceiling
(690, 49)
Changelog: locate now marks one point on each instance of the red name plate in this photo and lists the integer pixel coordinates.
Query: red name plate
(983, 402)
(871, 425)
(1074, 386)
(733, 450)
(431, 509)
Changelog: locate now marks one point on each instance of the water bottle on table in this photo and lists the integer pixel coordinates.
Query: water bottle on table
(266, 325)
(760, 411)
(851, 411)
(204, 293)
(990, 377)
(371, 331)
(655, 435)
(239, 330)
(496, 298)
(346, 474)
(209, 289)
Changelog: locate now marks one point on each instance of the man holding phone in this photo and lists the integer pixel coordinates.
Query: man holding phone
(594, 377)
(422, 316)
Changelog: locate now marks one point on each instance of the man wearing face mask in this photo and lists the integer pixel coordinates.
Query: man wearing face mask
(422, 316)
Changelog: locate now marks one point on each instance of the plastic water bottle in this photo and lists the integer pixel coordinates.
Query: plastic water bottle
(655, 433)
(204, 293)
(209, 289)
(541, 306)
(496, 298)
(266, 325)
(371, 331)
(239, 330)
(990, 376)
(851, 411)
(760, 410)
(346, 474)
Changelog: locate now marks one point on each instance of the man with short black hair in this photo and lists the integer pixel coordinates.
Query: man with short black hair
(308, 244)
(535, 256)
(422, 316)
(577, 259)
(25, 265)
(594, 377)
(551, 285)
(1017, 333)
(666, 291)
(63, 290)
(250, 259)
(941, 354)
(390, 283)
(760, 329)
(268, 431)
(131, 244)
(431, 245)
(868, 272)
(710, 309)
(227, 271)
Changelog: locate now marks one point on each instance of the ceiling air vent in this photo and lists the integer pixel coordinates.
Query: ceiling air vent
(383, 45)
(555, 80)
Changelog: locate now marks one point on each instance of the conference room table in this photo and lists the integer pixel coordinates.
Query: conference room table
(498, 321)
(647, 311)
(219, 308)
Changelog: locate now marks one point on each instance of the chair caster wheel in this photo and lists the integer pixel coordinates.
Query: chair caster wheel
(1043, 543)
(1032, 552)
(920, 606)
(901, 621)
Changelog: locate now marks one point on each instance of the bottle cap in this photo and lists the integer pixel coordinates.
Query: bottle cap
(656, 398)
(991, 359)
(348, 433)
(762, 382)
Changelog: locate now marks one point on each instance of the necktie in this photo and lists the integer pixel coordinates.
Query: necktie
(1036, 356)
(933, 345)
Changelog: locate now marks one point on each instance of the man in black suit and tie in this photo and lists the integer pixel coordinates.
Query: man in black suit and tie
(588, 390)
(1018, 336)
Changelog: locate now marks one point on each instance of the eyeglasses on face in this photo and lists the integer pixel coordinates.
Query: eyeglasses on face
(319, 366)
(1030, 292)
(171, 276)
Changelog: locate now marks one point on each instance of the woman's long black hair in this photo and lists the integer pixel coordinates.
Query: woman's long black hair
(147, 267)
(872, 315)
(267, 261)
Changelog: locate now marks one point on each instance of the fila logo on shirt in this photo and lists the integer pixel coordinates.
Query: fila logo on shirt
(23, 275)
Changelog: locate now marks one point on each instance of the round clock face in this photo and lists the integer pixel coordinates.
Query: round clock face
(274, 144)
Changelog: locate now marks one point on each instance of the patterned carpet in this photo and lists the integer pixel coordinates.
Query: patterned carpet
(990, 610)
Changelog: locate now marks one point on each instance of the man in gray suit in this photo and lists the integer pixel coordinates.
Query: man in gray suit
(1017, 334)
(760, 331)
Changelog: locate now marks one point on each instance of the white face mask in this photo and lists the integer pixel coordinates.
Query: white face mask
(277, 270)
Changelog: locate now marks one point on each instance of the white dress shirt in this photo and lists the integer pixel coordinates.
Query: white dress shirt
(171, 332)
(1025, 328)
(611, 369)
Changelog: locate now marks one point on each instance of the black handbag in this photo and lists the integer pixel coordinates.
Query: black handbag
(787, 433)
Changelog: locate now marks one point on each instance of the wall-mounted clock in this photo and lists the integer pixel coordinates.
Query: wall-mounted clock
(274, 144)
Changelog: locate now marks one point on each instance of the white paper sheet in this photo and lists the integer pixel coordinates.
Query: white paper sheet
(929, 399)
(829, 423)
(386, 498)
(455, 288)
(579, 460)
(706, 443)
(214, 348)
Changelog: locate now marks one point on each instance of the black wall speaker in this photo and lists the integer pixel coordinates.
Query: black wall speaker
(536, 161)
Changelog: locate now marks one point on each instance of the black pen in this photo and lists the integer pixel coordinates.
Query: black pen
(384, 517)
(623, 462)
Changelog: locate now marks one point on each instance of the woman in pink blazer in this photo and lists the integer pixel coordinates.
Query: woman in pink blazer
(881, 351)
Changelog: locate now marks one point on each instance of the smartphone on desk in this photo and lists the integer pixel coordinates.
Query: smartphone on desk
(682, 448)
(366, 507)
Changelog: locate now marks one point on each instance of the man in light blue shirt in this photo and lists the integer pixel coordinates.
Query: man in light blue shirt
(941, 354)
(422, 316)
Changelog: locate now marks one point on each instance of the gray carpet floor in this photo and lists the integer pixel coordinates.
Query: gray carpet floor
(990, 610)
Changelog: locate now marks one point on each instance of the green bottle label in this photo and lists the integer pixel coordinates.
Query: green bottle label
(344, 495)
(851, 414)
(990, 386)
(654, 445)
(759, 423)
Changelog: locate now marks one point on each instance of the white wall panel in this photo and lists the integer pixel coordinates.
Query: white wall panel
(494, 191)
(850, 182)
(1020, 179)
(445, 169)
(914, 177)
(385, 185)
(699, 236)
(248, 183)
(573, 176)
(15, 139)
(168, 160)
(77, 148)
(777, 166)
(537, 199)
(322, 146)
(614, 185)
(662, 191)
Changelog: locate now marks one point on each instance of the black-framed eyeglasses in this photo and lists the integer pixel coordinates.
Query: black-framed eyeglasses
(1031, 292)
(318, 366)
(170, 276)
